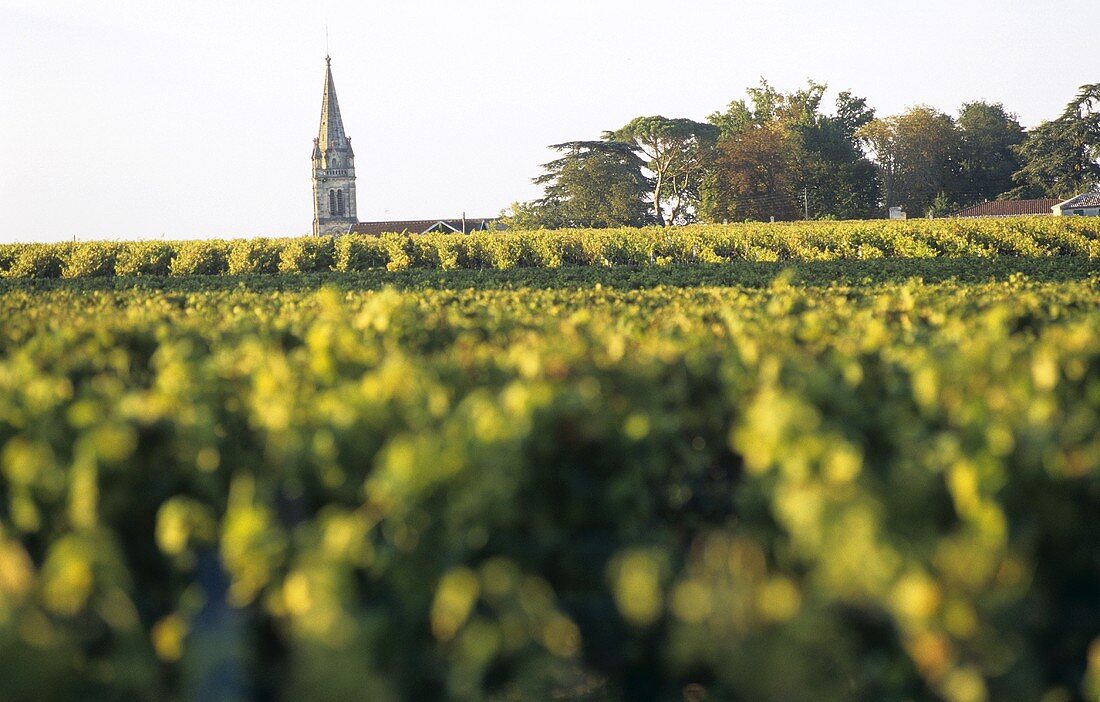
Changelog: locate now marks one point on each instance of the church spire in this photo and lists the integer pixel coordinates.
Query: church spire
(331, 136)
(333, 168)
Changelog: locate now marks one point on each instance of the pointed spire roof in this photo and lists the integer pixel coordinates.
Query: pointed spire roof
(331, 135)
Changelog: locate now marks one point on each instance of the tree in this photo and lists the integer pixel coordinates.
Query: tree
(1062, 157)
(822, 158)
(769, 106)
(752, 176)
(989, 137)
(529, 216)
(917, 156)
(881, 138)
(676, 152)
(595, 184)
(852, 113)
(836, 176)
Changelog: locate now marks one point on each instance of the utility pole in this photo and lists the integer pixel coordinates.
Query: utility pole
(806, 203)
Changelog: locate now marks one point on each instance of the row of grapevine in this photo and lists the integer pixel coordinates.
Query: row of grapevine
(813, 241)
(875, 492)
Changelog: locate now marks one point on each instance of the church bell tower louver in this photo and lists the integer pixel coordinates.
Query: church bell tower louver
(333, 168)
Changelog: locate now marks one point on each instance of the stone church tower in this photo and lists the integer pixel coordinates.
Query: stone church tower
(333, 168)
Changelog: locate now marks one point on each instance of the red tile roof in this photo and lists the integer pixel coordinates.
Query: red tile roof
(419, 226)
(1009, 208)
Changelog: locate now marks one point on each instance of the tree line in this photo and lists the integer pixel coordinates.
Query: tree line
(782, 156)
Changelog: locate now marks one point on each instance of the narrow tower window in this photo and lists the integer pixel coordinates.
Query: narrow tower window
(340, 202)
(332, 202)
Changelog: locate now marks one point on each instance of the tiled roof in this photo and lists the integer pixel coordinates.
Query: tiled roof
(419, 226)
(1009, 208)
(1091, 199)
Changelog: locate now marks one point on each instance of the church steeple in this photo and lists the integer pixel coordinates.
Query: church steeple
(331, 135)
(334, 210)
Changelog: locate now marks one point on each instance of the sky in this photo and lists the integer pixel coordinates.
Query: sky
(142, 119)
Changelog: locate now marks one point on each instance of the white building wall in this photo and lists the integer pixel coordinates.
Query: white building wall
(1077, 212)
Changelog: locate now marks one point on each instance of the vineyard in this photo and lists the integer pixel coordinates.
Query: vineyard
(708, 244)
(804, 462)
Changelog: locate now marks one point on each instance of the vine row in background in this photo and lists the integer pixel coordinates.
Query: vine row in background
(809, 241)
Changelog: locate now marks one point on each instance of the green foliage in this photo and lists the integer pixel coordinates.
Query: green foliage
(639, 492)
(356, 252)
(837, 179)
(307, 255)
(397, 251)
(251, 256)
(677, 153)
(200, 258)
(656, 246)
(36, 260)
(530, 216)
(752, 177)
(779, 153)
(8, 252)
(1062, 157)
(990, 138)
(595, 184)
(144, 258)
(768, 106)
(917, 154)
(89, 260)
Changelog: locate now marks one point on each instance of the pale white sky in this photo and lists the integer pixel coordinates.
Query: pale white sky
(141, 118)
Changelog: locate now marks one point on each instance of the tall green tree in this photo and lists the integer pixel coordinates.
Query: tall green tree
(676, 152)
(595, 184)
(836, 177)
(989, 136)
(1062, 157)
(852, 112)
(803, 153)
(768, 106)
(753, 176)
(917, 155)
